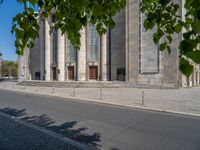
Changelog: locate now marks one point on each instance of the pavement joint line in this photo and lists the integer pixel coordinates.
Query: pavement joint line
(49, 133)
(78, 99)
(126, 129)
(86, 121)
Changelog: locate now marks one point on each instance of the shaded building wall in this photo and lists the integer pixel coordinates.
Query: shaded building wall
(117, 48)
(35, 61)
(24, 66)
(144, 62)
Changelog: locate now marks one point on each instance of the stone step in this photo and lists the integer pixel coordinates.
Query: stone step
(90, 84)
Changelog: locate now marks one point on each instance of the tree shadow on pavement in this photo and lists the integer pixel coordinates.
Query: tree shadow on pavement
(66, 129)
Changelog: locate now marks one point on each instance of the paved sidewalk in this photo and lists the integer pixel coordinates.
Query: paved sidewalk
(184, 100)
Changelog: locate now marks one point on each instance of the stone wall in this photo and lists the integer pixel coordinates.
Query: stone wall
(118, 45)
(23, 68)
(144, 63)
(35, 61)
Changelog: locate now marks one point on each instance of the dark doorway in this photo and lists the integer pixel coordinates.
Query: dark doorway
(93, 70)
(54, 73)
(121, 73)
(37, 75)
(71, 73)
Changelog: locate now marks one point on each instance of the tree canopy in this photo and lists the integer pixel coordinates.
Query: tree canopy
(72, 15)
(9, 68)
(165, 15)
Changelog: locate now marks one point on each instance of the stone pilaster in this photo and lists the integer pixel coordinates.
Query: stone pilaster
(132, 40)
(104, 57)
(198, 78)
(194, 77)
(61, 56)
(82, 57)
(42, 48)
(47, 50)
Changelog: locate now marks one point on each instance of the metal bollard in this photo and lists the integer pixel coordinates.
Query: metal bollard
(142, 97)
(53, 89)
(74, 93)
(100, 96)
(36, 87)
(24, 85)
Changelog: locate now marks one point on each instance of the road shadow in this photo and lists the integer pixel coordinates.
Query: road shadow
(66, 129)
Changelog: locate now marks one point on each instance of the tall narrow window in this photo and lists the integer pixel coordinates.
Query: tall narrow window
(54, 46)
(70, 52)
(92, 43)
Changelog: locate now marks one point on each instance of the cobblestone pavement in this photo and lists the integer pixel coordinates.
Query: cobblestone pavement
(183, 100)
(16, 136)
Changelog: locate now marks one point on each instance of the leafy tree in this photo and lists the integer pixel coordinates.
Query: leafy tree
(9, 68)
(72, 15)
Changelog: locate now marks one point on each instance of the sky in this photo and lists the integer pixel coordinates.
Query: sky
(8, 9)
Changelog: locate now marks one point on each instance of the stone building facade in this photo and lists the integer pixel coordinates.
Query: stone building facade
(126, 53)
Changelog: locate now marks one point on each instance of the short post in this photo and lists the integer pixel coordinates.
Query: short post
(73, 92)
(53, 89)
(36, 87)
(13, 84)
(142, 97)
(100, 96)
(5, 84)
(24, 85)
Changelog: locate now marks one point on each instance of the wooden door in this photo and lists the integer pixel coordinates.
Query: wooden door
(71, 73)
(93, 72)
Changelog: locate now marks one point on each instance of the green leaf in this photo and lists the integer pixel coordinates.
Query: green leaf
(178, 28)
(185, 67)
(187, 45)
(163, 46)
(196, 25)
(194, 55)
(169, 38)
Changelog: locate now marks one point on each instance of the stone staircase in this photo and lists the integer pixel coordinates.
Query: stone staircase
(89, 84)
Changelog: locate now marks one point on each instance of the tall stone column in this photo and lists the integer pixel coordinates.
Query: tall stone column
(82, 57)
(42, 48)
(47, 50)
(194, 77)
(104, 57)
(198, 77)
(61, 56)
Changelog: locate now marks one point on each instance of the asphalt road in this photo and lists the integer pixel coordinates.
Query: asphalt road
(103, 126)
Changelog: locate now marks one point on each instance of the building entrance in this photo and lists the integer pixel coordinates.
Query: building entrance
(93, 70)
(71, 73)
(54, 73)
